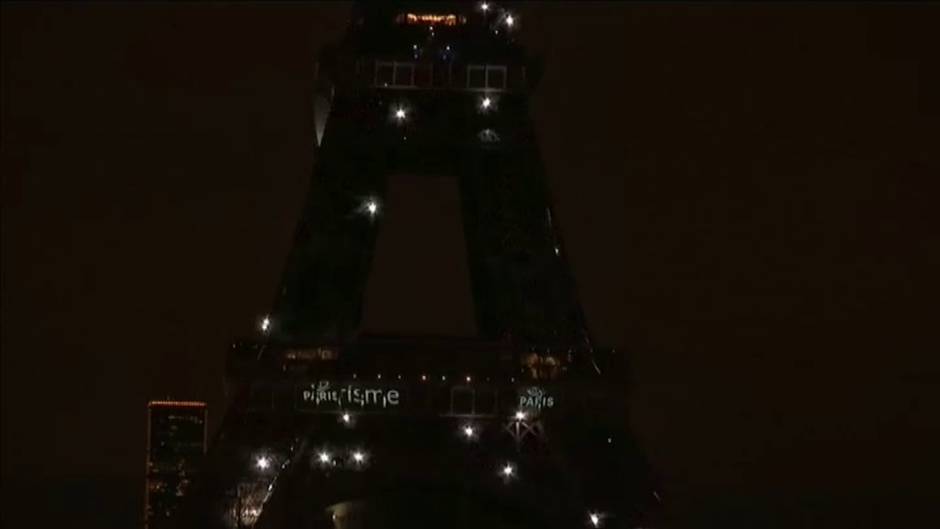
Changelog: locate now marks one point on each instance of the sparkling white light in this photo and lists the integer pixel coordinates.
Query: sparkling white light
(468, 432)
(520, 415)
(265, 324)
(595, 519)
(325, 457)
(358, 456)
(346, 418)
(485, 104)
(508, 470)
(510, 20)
(484, 6)
(400, 114)
(262, 463)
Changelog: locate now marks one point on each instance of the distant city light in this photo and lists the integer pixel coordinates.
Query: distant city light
(595, 519)
(484, 6)
(510, 20)
(468, 379)
(485, 104)
(371, 206)
(324, 457)
(424, 377)
(262, 463)
(508, 470)
(468, 431)
(265, 324)
(557, 250)
(400, 114)
(358, 456)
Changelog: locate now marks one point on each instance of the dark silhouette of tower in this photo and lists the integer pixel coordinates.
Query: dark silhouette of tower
(523, 424)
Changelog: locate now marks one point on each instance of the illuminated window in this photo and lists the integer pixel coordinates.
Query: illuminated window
(394, 74)
(486, 77)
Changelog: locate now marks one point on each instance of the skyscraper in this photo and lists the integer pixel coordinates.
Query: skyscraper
(519, 423)
(176, 443)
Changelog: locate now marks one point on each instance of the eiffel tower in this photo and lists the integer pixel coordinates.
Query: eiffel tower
(522, 424)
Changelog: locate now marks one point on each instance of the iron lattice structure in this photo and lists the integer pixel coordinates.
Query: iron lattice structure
(522, 426)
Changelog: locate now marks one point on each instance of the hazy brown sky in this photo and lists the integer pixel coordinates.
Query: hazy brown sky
(747, 194)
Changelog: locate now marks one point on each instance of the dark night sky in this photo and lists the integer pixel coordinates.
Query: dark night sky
(747, 195)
